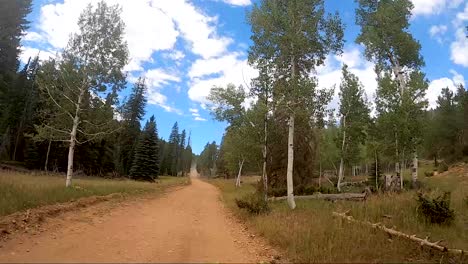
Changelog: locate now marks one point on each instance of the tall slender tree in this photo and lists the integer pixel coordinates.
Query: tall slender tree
(292, 38)
(173, 150)
(354, 119)
(388, 42)
(133, 112)
(90, 65)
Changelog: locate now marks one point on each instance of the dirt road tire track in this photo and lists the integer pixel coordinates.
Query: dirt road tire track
(189, 224)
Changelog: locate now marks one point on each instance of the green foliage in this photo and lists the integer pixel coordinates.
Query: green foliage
(13, 26)
(133, 112)
(435, 208)
(253, 203)
(146, 162)
(354, 114)
(206, 162)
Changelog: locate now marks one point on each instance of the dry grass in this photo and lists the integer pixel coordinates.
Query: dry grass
(19, 191)
(311, 234)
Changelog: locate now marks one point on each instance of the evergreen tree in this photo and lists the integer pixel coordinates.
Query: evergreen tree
(146, 161)
(180, 152)
(133, 112)
(173, 150)
(13, 24)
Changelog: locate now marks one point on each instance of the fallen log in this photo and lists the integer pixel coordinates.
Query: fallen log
(330, 197)
(393, 232)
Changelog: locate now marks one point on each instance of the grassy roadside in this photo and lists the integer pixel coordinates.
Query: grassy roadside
(19, 191)
(311, 234)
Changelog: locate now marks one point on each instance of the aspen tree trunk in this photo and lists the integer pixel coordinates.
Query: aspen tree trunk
(376, 171)
(414, 170)
(401, 83)
(289, 174)
(47, 156)
(343, 143)
(71, 149)
(320, 174)
(238, 182)
(265, 141)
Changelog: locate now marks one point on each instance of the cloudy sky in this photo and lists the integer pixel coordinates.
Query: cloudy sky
(185, 47)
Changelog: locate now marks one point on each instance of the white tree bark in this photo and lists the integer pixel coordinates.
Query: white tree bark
(265, 142)
(47, 156)
(71, 149)
(320, 174)
(289, 174)
(343, 144)
(414, 171)
(238, 181)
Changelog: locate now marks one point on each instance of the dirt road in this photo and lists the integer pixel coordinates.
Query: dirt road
(189, 224)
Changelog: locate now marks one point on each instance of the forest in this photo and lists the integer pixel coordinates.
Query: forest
(376, 177)
(67, 114)
(291, 135)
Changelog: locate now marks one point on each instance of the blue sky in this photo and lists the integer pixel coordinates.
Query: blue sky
(185, 47)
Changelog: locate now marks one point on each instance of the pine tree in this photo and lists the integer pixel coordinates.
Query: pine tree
(133, 112)
(173, 150)
(180, 152)
(13, 24)
(146, 161)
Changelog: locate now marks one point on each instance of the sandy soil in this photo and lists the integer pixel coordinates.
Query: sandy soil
(188, 224)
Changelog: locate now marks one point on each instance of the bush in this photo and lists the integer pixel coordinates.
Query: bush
(442, 167)
(466, 201)
(435, 208)
(253, 203)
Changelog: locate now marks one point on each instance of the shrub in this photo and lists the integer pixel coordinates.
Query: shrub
(435, 208)
(466, 201)
(442, 167)
(253, 203)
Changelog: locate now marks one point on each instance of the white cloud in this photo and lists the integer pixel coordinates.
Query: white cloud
(437, 32)
(196, 27)
(33, 36)
(436, 86)
(29, 52)
(156, 79)
(148, 28)
(459, 48)
(176, 55)
(206, 73)
(329, 75)
(151, 25)
(463, 16)
(431, 7)
(238, 2)
(196, 114)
